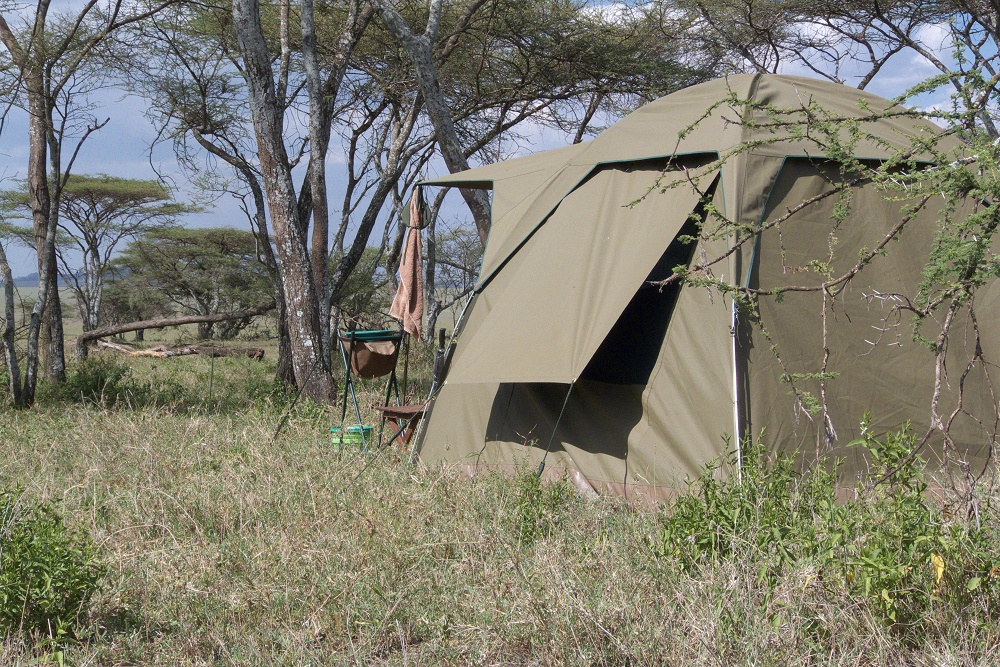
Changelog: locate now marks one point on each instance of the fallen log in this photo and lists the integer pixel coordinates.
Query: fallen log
(158, 352)
(87, 337)
(118, 347)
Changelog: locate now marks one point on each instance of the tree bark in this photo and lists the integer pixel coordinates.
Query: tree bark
(9, 329)
(38, 193)
(319, 140)
(55, 363)
(158, 352)
(312, 368)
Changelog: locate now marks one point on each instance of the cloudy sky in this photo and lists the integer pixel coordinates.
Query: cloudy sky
(123, 147)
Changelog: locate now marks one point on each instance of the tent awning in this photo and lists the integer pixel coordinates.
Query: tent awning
(483, 178)
(561, 293)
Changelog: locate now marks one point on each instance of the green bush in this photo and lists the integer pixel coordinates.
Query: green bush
(888, 546)
(95, 380)
(48, 572)
(108, 382)
(540, 505)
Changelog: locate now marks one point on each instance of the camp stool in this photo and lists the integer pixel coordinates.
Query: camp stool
(408, 417)
(369, 354)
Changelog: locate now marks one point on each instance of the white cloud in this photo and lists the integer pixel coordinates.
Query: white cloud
(612, 12)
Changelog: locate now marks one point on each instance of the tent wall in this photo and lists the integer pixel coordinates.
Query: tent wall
(882, 370)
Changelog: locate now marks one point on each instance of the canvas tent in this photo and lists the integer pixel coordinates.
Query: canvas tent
(568, 355)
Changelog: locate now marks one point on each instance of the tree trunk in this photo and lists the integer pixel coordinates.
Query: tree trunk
(9, 328)
(419, 49)
(431, 304)
(319, 139)
(204, 330)
(38, 193)
(35, 321)
(284, 372)
(312, 368)
(55, 367)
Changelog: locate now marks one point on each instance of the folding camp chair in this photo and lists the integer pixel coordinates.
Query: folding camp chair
(407, 417)
(368, 354)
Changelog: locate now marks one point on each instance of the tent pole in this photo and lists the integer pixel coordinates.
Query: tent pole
(736, 396)
(541, 465)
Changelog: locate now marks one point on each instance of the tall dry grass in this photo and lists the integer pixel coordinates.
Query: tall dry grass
(227, 546)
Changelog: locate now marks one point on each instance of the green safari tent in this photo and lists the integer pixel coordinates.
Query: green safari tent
(568, 357)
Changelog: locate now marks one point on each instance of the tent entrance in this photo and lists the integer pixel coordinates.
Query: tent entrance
(628, 354)
(598, 417)
(606, 402)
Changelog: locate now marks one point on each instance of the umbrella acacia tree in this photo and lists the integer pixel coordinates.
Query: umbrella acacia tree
(197, 271)
(97, 213)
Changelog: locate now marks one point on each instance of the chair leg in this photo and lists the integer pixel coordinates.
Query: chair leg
(388, 393)
(357, 412)
(347, 382)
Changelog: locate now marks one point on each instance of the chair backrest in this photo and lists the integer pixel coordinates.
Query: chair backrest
(371, 354)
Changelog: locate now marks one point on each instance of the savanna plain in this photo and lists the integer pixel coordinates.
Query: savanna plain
(207, 536)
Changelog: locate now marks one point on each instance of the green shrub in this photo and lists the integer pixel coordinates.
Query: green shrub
(48, 572)
(94, 380)
(540, 505)
(108, 382)
(888, 546)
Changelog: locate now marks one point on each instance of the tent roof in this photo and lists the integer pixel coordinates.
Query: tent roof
(703, 119)
(483, 178)
(655, 130)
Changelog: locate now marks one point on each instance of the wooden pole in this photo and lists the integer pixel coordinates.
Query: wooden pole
(406, 363)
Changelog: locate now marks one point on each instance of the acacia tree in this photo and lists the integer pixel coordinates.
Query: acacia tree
(197, 271)
(97, 213)
(308, 328)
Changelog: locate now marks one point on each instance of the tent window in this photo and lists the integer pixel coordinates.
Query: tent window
(629, 351)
